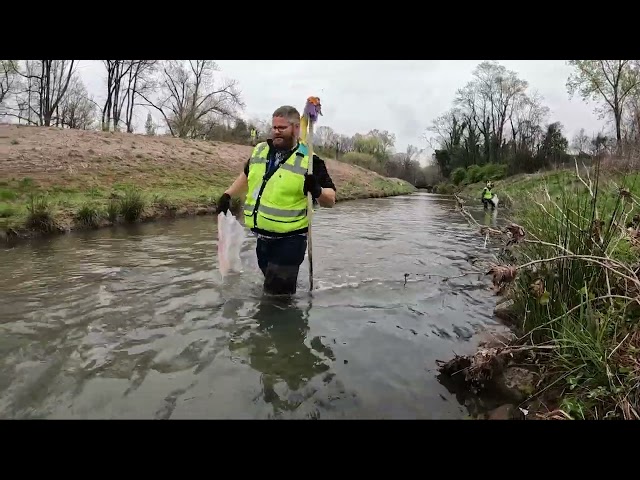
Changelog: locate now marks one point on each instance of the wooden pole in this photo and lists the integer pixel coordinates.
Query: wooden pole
(310, 204)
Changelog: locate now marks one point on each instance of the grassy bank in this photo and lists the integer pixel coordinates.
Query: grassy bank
(518, 188)
(472, 177)
(570, 275)
(56, 180)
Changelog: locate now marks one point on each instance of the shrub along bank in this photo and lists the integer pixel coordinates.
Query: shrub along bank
(568, 272)
(471, 177)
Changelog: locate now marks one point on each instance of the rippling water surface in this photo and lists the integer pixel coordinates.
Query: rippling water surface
(137, 323)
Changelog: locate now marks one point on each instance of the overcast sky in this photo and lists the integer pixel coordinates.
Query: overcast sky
(402, 96)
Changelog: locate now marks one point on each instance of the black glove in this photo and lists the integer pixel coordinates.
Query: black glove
(312, 185)
(223, 203)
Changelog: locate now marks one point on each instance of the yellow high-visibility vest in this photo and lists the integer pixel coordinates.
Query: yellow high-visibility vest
(278, 204)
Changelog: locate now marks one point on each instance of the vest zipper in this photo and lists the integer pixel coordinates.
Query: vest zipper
(265, 179)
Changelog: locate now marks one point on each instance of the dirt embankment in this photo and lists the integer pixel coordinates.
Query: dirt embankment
(58, 180)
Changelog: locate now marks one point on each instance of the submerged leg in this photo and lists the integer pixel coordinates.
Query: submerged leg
(262, 252)
(284, 257)
(281, 279)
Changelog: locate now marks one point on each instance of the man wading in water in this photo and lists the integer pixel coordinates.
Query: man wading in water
(276, 181)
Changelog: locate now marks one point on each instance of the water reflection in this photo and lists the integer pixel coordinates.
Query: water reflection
(490, 218)
(276, 346)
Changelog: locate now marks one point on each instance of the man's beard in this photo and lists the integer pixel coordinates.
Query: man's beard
(283, 143)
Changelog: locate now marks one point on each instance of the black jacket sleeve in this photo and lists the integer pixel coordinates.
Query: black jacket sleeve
(321, 173)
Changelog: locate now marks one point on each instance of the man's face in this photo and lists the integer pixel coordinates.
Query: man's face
(284, 133)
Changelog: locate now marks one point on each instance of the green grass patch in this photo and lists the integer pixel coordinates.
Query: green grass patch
(7, 194)
(132, 204)
(7, 210)
(88, 215)
(117, 193)
(113, 210)
(40, 217)
(577, 286)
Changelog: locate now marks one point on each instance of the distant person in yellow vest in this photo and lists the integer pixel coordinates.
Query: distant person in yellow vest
(487, 196)
(276, 183)
(254, 136)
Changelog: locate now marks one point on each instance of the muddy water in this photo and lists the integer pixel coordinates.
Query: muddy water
(137, 323)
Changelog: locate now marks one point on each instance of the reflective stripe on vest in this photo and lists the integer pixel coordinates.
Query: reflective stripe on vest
(295, 168)
(281, 203)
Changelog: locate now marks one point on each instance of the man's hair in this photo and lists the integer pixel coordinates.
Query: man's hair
(288, 112)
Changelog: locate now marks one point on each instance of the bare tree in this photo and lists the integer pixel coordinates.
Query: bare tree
(77, 109)
(188, 96)
(611, 81)
(325, 137)
(526, 120)
(139, 79)
(345, 144)
(493, 120)
(630, 124)
(8, 82)
(26, 93)
(54, 81)
(44, 84)
(474, 107)
(502, 88)
(581, 142)
(111, 111)
(405, 165)
(448, 129)
(488, 103)
(149, 127)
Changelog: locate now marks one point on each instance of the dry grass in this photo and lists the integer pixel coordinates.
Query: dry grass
(76, 168)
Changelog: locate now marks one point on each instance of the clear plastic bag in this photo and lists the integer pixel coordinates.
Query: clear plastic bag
(231, 235)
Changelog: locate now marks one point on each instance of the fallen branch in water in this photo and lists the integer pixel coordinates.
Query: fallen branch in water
(486, 363)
